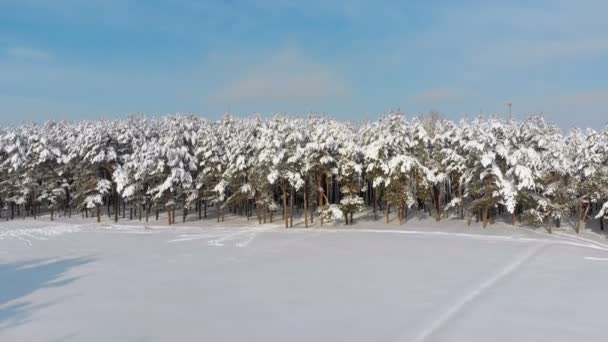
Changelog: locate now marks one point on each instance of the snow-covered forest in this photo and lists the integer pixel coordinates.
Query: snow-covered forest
(320, 168)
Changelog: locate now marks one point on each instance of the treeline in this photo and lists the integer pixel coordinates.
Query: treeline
(323, 168)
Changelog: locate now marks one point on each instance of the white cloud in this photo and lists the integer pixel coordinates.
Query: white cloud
(286, 76)
(28, 54)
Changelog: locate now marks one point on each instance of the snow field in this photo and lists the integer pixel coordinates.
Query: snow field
(128, 283)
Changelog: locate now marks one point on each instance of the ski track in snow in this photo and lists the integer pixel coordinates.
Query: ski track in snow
(234, 236)
(596, 259)
(564, 239)
(231, 237)
(242, 237)
(29, 234)
(445, 317)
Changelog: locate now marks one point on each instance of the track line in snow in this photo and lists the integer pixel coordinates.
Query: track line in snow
(567, 240)
(451, 311)
(596, 259)
(582, 239)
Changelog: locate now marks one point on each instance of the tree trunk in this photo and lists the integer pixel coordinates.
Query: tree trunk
(375, 199)
(351, 217)
(305, 205)
(116, 203)
(98, 214)
(257, 209)
(320, 191)
(577, 227)
(388, 210)
(327, 183)
(437, 204)
(285, 203)
(485, 216)
(292, 195)
(264, 212)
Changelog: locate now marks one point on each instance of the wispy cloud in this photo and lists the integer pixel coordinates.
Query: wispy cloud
(287, 76)
(519, 53)
(28, 54)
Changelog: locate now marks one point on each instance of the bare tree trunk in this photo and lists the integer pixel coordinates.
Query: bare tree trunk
(437, 204)
(388, 210)
(375, 198)
(584, 217)
(98, 214)
(577, 227)
(264, 212)
(285, 216)
(312, 212)
(485, 216)
(320, 191)
(327, 183)
(291, 196)
(305, 204)
(257, 209)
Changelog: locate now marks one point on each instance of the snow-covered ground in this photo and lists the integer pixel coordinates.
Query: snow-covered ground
(204, 281)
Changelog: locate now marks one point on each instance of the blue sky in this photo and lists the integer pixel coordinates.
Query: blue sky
(83, 59)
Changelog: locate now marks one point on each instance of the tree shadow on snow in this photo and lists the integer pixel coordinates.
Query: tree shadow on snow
(20, 279)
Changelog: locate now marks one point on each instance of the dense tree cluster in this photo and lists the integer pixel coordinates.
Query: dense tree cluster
(322, 168)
